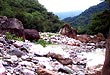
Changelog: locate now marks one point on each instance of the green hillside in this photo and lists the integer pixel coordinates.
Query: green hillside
(85, 17)
(31, 13)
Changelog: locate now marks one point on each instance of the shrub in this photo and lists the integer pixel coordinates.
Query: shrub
(42, 42)
(13, 37)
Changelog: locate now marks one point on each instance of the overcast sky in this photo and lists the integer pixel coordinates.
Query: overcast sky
(67, 5)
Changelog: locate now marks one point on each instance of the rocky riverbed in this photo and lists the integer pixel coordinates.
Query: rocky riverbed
(64, 56)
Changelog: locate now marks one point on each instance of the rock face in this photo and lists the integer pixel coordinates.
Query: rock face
(14, 26)
(10, 23)
(68, 31)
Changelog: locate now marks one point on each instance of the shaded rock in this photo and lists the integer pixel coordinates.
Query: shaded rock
(10, 23)
(83, 38)
(14, 31)
(31, 34)
(65, 70)
(98, 38)
(65, 61)
(16, 52)
(41, 71)
(59, 58)
(54, 56)
(68, 31)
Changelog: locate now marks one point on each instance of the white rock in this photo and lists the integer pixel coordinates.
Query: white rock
(2, 69)
(28, 72)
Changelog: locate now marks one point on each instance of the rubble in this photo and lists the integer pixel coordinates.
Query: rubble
(59, 58)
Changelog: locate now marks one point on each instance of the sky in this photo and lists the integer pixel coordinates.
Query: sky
(57, 6)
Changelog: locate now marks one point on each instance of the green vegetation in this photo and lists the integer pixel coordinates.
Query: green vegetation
(13, 37)
(100, 23)
(82, 21)
(42, 42)
(31, 13)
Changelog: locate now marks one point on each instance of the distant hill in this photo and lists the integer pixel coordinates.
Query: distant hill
(85, 17)
(63, 15)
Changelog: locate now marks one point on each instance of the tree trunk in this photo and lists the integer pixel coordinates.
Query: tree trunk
(106, 66)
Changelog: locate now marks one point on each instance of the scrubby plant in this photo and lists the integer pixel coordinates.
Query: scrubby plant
(9, 35)
(42, 42)
(13, 37)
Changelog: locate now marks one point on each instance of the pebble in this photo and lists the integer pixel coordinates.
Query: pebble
(15, 61)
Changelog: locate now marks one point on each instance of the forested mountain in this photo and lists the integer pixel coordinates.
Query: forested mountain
(31, 13)
(85, 17)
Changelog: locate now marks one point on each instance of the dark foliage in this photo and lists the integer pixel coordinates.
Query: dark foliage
(81, 21)
(31, 13)
(100, 23)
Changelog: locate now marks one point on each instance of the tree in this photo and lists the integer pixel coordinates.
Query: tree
(31, 13)
(100, 23)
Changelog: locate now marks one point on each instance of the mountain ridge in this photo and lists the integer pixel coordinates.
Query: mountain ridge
(85, 17)
(63, 15)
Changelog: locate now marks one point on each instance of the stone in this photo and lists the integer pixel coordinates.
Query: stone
(68, 31)
(10, 23)
(16, 52)
(2, 69)
(83, 38)
(65, 70)
(65, 61)
(59, 58)
(28, 72)
(31, 34)
(41, 71)
(13, 31)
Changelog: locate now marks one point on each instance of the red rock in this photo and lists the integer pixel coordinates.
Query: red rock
(83, 38)
(59, 58)
(68, 31)
(42, 71)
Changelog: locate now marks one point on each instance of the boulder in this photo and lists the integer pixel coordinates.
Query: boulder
(68, 31)
(31, 34)
(65, 69)
(95, 38)
(83, 38)
(98, 38)
(10, 23)
(42, 71)
(17, 32)
(59, 58)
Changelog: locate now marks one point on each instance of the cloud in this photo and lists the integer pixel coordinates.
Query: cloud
(67, 5)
